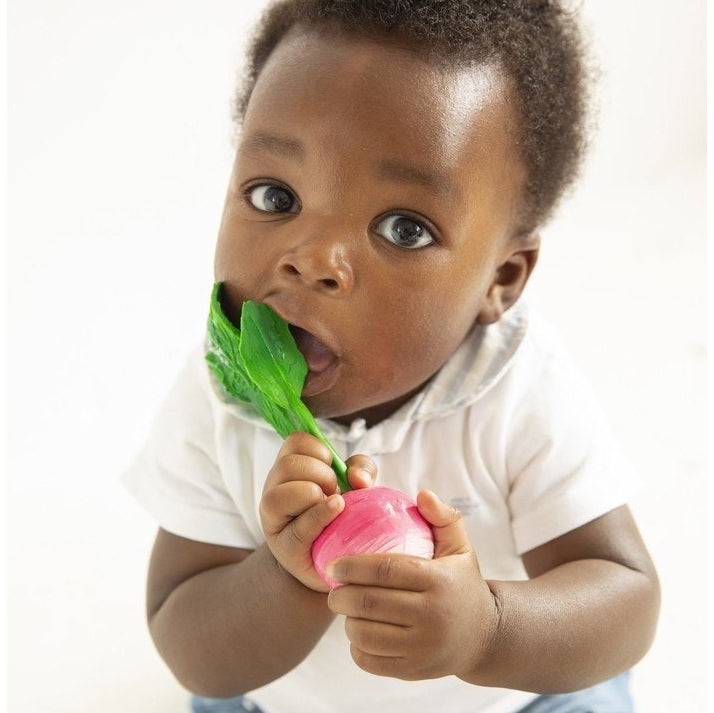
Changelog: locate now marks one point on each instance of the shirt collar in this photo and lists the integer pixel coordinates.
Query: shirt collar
(477, 365)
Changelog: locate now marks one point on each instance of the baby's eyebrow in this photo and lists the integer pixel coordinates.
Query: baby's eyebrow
(281, 145)
(388, 169)
(435, 181)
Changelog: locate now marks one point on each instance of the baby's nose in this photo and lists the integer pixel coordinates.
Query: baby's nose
(321, 265)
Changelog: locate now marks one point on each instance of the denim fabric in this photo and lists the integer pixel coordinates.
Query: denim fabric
(611, 696)
(239, 704)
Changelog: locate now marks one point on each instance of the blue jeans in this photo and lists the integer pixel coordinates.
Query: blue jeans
(239, 704)
(611, 696)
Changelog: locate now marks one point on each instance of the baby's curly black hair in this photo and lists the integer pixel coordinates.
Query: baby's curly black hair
(536, 42)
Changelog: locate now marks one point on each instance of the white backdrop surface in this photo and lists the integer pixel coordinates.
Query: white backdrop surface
(119, 150)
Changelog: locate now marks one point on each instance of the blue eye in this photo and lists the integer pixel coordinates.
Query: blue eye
(272, 199)
(404, 232)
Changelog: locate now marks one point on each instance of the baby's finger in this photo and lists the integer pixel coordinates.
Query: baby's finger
(306, 445)
(447, 524)
(361, 471)
(294, 466)
(393, 571)
(391, 606)
(285, 502)
(304, 529)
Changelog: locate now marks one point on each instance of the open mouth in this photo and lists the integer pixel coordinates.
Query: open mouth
(322, 362)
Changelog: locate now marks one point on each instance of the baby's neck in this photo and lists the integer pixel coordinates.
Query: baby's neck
(380, 412)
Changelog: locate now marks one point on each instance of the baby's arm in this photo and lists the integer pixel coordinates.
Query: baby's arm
(588, 613)
(229, 620)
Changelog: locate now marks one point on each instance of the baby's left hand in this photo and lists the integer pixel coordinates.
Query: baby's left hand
(413, 618)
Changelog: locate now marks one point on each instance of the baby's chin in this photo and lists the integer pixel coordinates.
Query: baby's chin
(327, 405)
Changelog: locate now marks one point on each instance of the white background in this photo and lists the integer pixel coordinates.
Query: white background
(119, 153)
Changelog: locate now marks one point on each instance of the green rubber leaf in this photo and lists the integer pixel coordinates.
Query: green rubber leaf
(261, 364)
(270, 354)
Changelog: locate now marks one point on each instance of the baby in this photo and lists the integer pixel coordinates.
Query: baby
(395, 163)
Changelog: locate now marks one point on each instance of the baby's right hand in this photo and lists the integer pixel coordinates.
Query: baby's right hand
(300, 498)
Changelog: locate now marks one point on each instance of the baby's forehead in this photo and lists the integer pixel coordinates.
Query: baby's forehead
(379, 55)
(362, 113)
(385, 71)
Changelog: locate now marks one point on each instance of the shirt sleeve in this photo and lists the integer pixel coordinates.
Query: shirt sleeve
(176, 477)
(565, 468)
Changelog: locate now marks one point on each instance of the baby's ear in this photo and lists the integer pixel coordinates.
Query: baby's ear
(511, 277)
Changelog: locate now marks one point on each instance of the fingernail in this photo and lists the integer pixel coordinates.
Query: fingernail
(366, 475)
(334, 502)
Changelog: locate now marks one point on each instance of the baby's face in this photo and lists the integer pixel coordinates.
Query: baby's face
(371, 204)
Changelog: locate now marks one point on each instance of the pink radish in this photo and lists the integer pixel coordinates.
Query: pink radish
(374, 520)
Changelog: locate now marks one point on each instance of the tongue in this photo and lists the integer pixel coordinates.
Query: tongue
(317, 355)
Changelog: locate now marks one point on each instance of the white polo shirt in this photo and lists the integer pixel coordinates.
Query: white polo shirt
(507, 432)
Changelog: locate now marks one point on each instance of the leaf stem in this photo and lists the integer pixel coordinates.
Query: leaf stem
(338, 465)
